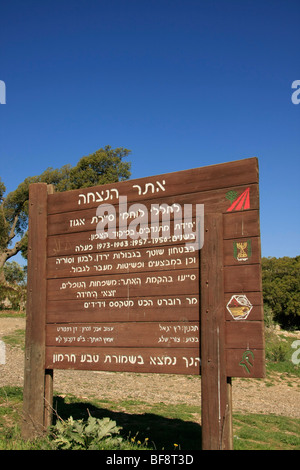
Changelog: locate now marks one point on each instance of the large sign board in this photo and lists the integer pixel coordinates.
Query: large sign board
(127, 268)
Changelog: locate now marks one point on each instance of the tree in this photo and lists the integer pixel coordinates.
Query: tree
(13, 291)
(15, 274)
(106, 165)
(281, 289)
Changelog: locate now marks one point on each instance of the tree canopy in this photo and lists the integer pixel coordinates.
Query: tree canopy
(281, 289)
(106, 165)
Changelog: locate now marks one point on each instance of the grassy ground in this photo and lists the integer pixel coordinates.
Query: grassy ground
(159, 427)
(11, 314)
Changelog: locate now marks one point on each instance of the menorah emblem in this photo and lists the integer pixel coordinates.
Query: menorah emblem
(242, 250)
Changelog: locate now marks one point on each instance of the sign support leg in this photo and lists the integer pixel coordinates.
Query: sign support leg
(215, 406)
(48, 408)
(36, 380)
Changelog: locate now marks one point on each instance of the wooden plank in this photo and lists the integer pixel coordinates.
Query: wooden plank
(241, 251)
(242, 278)
(83, 239)
(213, 367)
(245, 363)
(88, 242)
(34, 371)
(150, 308)
(124, 334)
(241, 224)
(138, 260)
(145, 360)
(85, 219)
(213, 177)
(123, 215)
(125, 285)
(244, 334)
(252, 299)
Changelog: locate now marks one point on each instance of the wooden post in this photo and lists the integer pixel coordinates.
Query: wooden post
(37, 383)
(48, 407)
(228, 432)
(216, 409)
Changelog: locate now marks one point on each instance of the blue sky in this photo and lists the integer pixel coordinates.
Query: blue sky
(181, 83)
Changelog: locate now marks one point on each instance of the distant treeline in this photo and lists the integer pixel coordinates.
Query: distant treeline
(281, 290)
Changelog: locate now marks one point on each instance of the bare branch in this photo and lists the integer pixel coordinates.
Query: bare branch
(12, 233)
(13, 251)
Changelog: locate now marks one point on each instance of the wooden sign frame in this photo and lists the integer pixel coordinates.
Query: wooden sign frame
(186, 312)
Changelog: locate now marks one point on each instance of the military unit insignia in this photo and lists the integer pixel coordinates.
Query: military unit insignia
(246, 361)
(238, 203)
(242, 251)
(239, 307)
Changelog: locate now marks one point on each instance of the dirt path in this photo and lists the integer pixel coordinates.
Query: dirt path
(271, 395)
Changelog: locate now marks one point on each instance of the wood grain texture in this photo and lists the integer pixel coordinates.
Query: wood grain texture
(242, 278)
(125, 334)
(135, 261)
(87, 242)
(151, 308)
(237, 364)
(85, 219)
(125, 285)
(244, 334)
(34, 369)
(213, 367)
(241, 224)
(210, 178)
(145, 360)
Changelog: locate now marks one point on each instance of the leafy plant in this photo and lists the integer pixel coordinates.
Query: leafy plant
(79, 435)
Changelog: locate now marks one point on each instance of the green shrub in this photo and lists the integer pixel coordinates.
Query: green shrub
(91, 435)
(277, 350)
(268, 316)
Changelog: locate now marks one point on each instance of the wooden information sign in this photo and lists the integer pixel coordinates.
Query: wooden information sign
(154, 275)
